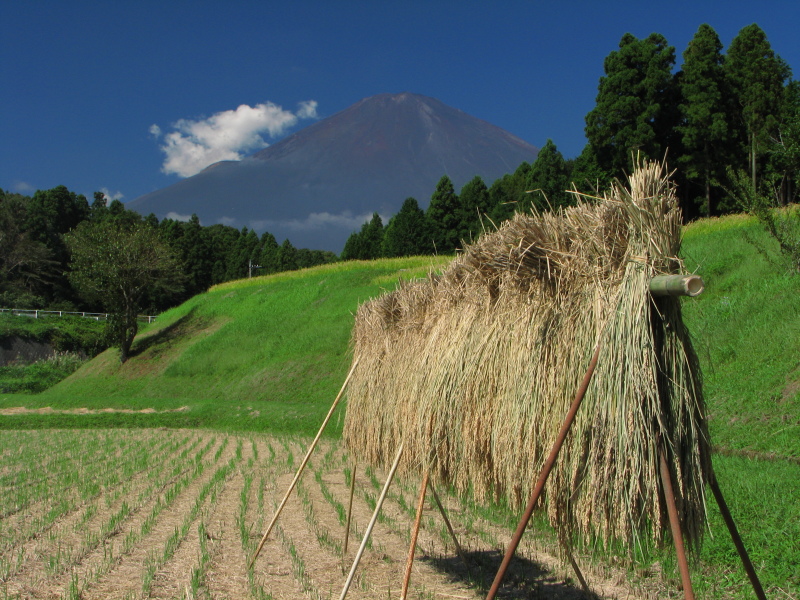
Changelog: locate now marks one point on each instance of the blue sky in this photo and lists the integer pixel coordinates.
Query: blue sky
(128, 97)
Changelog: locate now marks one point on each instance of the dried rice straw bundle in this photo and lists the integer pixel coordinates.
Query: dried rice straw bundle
(474, 370)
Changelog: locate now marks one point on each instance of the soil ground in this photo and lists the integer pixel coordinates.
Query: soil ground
(187, 525)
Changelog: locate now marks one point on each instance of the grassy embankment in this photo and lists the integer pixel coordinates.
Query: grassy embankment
(271, 353)
(267, 353)
(746, 330)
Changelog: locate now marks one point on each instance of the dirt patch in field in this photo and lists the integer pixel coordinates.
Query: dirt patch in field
(185, 523)
(47, 410)
(792, 387)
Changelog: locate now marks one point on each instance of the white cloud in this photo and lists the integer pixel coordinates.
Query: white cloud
(177, 217)
(194, 145)
(109, 196)
(22, 187)
(307, 110)
(315, 221)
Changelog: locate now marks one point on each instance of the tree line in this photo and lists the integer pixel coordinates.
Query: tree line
(721, 121)
(738, 109)
(36, 258)
(719, 116)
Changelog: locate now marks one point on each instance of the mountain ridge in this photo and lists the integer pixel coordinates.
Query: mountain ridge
(319, 184)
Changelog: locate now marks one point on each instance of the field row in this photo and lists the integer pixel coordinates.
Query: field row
(177, 514)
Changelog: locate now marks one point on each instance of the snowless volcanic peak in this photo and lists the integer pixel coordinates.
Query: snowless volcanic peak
(317, 186)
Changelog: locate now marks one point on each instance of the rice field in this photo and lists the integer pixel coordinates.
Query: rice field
(163, 513)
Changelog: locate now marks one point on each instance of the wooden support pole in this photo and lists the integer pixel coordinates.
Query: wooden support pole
(577, 571)
(675, 525)
(548, 466)
(450, 528)
(737, 540)
(414, 534)
(349, 507)
(676, 285)
(302, 466)
(368, 532)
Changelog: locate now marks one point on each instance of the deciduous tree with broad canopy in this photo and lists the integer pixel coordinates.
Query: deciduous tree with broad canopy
(120, 265)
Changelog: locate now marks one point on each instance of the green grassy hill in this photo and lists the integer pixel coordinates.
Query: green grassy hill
(746, 330)
(268, 353)
(271, 353)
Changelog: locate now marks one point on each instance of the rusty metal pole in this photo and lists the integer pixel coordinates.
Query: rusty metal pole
(675, 525)
(737, 540)
(414, 534)
(548, 466)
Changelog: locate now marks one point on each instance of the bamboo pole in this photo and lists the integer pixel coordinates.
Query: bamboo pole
(676, 285)
(450, 528)
(675, 525)
(577, 571)
(414, 534)
(302, 465)
(548, 466)
(368, 532)
(349, 508)
(737, 540)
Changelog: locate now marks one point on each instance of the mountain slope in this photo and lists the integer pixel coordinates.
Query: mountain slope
(318, 185)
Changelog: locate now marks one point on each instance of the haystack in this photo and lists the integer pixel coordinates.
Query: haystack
(475, 369)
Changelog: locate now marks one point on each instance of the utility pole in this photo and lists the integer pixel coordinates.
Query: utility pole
(251, 266)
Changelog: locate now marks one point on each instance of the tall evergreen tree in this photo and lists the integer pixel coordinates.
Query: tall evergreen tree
(408, 233)
(352, 247)
(756, 75)
(443, 213)
(786, 146)
(222, 239)
(635, 103)
(474, 205)
(548, 179)
(287, 256)
(195, 252)
(706, 108)
(50, 214)
(509, 194)
(268, 256)
(241, 254)
(587, 175)
(365, 244)
(26, 266)
(500, 200)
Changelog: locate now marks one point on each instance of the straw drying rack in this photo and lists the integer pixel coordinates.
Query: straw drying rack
(598, 280)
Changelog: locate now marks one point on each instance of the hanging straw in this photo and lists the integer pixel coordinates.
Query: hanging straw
(475, 368)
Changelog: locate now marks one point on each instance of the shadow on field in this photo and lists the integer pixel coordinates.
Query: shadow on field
(162, 337)
(524, 578)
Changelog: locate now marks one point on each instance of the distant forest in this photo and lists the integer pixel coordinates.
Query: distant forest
(721, 120)
(722, 117)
